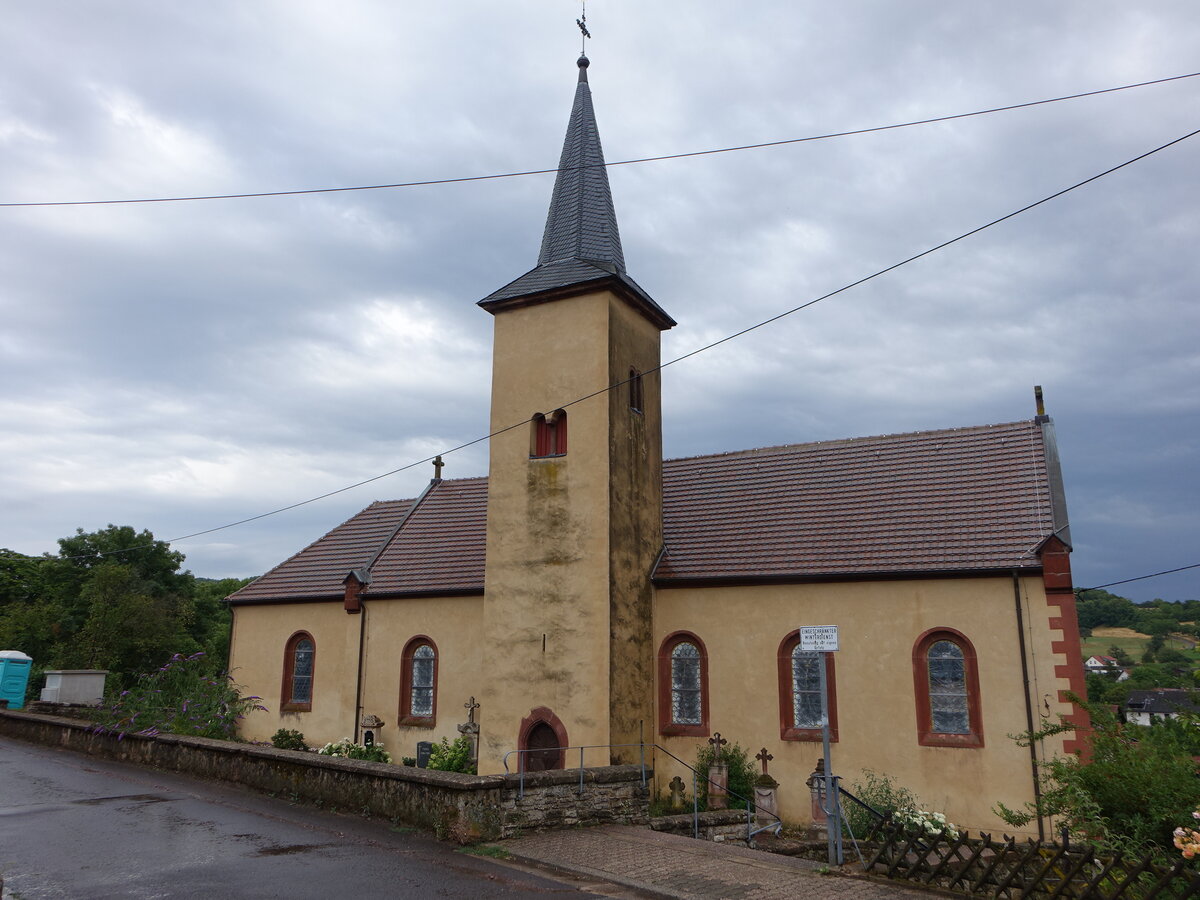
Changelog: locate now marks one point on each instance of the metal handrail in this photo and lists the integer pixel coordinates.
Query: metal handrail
(581, 748)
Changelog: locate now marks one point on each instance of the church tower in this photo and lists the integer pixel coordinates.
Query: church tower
(574, 520)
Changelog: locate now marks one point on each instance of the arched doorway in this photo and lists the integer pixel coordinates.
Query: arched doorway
(543, 740)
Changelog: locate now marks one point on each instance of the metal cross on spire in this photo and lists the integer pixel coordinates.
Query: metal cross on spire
(583, 30)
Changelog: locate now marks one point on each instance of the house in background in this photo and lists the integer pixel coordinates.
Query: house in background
(588, 594)
(1143, 707)
(1101, 664)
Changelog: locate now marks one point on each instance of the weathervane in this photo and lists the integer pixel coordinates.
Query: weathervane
(584, 33)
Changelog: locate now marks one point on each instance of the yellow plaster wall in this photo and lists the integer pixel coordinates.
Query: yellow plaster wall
(260, 636)
(453, 623)
(546, 586)
(878, 622)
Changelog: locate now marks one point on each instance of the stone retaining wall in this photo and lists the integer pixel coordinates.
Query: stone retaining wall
(464, 808)
(721, 826)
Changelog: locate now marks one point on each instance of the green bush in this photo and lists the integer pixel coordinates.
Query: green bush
(288, 739)
(452, 757)
(181, 697)
(347, 749)
(741, 774)
(1138, 785)
(882, 794)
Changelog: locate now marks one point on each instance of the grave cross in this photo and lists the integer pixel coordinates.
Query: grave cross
(764, 757)
(718, 742)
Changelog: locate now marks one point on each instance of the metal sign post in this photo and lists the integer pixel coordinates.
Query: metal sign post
(823, 639)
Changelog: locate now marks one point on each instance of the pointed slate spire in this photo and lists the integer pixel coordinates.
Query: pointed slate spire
(581, 246)
(582, 222)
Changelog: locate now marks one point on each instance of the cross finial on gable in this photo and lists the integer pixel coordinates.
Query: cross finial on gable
(437, 467)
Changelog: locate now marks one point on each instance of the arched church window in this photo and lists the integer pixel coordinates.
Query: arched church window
(683, 685)
(549, 436)
(946, 683)
(418, 688)
(800, 692)
(299, 667)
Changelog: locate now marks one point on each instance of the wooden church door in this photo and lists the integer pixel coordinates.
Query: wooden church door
(543, 749)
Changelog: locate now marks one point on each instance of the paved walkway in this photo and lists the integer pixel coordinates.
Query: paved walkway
(682, 868)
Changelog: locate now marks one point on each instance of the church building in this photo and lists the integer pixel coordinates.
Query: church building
(589, 594)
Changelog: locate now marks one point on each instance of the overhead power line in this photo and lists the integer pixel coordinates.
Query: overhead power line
(1141, 577)
(623, 162)
(782, 315)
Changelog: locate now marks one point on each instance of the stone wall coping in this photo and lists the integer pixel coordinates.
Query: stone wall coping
(591, 775)
(710, 817)
(450, 780)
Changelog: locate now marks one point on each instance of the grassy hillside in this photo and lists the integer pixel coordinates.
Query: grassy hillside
(1132, 642)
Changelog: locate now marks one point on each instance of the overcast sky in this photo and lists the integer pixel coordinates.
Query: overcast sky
(177, 366)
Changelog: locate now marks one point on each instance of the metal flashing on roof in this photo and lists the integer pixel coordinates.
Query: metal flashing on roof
(1058, 491)
(571, 278)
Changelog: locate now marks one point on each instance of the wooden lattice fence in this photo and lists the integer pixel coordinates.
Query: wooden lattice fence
(1012, 869)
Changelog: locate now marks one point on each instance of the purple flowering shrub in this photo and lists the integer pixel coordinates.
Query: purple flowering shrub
(181, 697)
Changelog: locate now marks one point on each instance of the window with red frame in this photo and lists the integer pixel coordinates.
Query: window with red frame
(946, 683)
(800, 692)
(299, 667)
(683, 685)
(418, 688)
(549, 434)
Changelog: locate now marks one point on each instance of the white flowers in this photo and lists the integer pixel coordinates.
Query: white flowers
(350, 750)
(929, 822)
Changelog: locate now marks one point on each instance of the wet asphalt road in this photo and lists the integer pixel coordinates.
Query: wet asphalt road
(78, 827)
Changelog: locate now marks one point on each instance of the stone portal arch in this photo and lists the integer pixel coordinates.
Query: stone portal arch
(543, 738)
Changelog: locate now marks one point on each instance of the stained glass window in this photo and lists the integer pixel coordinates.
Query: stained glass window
(948, 708)
(686, 702)
(806, 688)
(422, 681)
(302, 671)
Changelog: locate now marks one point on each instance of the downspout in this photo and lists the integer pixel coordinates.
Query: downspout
(362, 622)
(358, 684)
(1033, 760)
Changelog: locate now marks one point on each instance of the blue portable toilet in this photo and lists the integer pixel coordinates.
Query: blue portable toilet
(14, 676)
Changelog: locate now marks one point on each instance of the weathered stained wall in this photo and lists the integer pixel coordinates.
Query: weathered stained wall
(546, 585)
(635, 524)
(879, 622)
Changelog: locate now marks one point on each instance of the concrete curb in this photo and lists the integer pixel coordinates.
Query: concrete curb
(579, 871)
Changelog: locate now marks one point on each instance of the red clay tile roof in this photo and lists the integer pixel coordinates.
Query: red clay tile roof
(318, 571)
(440, 547)
(961, 500)
(936, 501)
